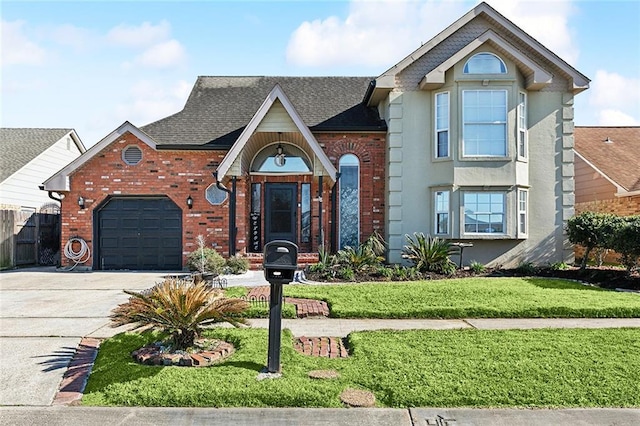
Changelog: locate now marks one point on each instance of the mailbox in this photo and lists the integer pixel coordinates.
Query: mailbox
(280, 261)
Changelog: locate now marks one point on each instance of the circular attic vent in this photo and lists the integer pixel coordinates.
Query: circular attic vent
(132, 155)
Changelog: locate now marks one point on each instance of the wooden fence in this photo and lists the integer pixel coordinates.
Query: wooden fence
(28, 238)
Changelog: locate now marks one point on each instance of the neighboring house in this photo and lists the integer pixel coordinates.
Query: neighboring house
(29, 156)
(30, 231)
(469, 138)
(607, 169)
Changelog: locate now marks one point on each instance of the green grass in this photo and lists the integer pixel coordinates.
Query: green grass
(471, 298)
(453, 368)
(259, 310)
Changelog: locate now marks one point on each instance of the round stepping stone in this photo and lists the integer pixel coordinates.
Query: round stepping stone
(324, 374)
(357, 398)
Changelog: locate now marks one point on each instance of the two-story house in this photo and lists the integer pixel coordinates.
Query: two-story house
(469, 138)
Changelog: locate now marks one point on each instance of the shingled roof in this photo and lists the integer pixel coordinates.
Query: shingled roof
(615, 151)
(219, 108)
(21, 145)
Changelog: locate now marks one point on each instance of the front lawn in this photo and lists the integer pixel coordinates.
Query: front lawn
(471, 298)
(452, 368)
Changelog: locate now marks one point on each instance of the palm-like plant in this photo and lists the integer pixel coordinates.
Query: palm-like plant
(429, 254)
(180, 308)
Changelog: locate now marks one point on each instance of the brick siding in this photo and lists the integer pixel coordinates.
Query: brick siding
(180, 173)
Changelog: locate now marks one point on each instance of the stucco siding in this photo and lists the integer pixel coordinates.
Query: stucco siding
(22, 188)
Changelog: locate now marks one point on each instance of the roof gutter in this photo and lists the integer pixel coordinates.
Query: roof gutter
(369, 92)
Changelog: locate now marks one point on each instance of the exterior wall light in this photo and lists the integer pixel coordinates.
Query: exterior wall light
(189, 202)
(81, 202)
(279, 159)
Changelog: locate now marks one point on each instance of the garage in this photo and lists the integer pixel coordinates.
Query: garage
(138, 233)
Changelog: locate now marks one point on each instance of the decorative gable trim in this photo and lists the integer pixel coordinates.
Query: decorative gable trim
(276, 94)
(386, 81)
(60, 181)
(537, 78)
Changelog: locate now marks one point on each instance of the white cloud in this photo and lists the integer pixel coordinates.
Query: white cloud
(374, 33)
(616, 97)
(545, 20)
(143, 35)
(380, 33)
(149, 101)
(17, 49)
(76, 37)
(163, 55)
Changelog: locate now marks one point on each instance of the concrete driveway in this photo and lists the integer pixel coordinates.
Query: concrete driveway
(43, 315)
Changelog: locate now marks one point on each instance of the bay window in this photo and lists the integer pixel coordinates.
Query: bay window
(484, 123)
(442, 125)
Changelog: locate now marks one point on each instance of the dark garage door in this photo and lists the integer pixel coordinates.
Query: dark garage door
(139, 234)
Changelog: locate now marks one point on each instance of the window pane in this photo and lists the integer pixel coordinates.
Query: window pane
(305, 209)
(484, 212)
(484, 63)
(349, 198)
(443, 144)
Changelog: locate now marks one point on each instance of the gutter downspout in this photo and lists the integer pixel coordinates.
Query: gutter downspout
(232, 211)
(50, 194)
(334, 215)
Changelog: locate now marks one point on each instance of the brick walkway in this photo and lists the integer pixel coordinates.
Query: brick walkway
(304, 307)
(328, 347)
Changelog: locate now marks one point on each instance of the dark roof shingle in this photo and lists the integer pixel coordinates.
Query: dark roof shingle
(21, 145)
(219, 108)
(619, 159)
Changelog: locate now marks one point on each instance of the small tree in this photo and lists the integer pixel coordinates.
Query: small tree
(179, 308)
(592, 230)
(205, 259)
(626, 242)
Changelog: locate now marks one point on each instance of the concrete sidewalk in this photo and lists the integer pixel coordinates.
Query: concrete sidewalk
(44, 314)
(142, 416)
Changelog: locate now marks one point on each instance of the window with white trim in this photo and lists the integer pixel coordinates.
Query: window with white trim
(522, 212)
(442, 125)
(441, 212)
(484, 63)
(522, 125)
(484, 117)
(484, 212)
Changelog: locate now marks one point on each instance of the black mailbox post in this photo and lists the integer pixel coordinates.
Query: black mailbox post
(280, 264)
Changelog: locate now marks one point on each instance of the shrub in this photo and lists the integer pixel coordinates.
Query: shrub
(359, 259)
(592, 230)
(627, 242)
(179, 308)
(477, 267)
(558, 266)
(347, 274)
(237, 265)
(206, 259)
(429, 254)
(526, 268)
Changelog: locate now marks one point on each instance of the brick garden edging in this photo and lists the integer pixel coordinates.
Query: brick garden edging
(304, 307)
(153, 355)
(75, 378)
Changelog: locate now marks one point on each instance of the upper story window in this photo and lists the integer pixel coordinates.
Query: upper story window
(522, 125)
(442, 125)
(281, 158)
(484, 123)
(484, 63)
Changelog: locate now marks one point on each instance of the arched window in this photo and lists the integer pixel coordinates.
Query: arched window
(349, 230)
(484, 63)
(281, 158)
